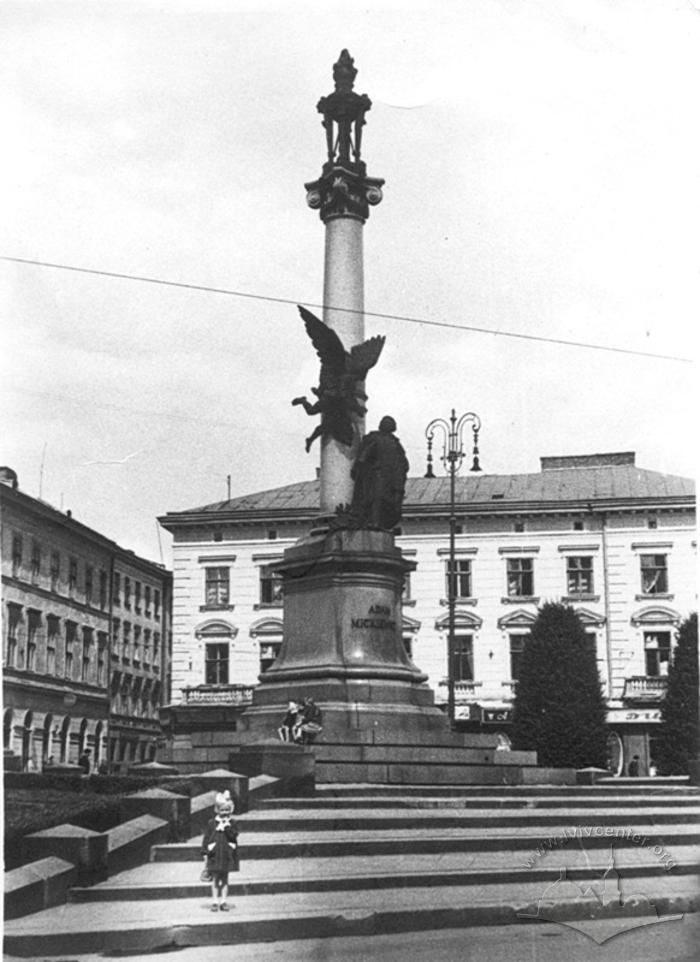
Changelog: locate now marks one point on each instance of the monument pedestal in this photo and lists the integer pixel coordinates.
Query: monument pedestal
(343, 644)
(343, 647)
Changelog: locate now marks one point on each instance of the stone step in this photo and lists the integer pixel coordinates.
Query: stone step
(335, 843)
(434, 755)
(140, 926)
(370, 819)
(428, 772)
(162, 880)
(479, 801)
(601, 790)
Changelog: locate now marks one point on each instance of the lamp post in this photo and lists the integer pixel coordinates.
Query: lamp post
(452, 457)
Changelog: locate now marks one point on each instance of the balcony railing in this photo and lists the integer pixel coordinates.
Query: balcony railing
(217, 695)
(464, 690)
(644, 688)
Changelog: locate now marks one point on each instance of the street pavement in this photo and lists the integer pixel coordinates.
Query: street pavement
(677, 941)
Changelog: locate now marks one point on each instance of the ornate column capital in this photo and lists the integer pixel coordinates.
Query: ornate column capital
(343, 193)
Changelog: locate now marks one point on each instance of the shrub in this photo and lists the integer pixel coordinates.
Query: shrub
(678, 735)
(559, 710)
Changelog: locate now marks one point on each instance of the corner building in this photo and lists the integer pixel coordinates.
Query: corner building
(86, 640)
(615, 541)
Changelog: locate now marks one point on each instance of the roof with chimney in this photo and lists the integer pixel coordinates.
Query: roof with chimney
(574, 482)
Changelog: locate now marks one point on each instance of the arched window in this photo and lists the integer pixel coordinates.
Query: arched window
(27, 733)
(47, 740)
(7, 729)
(64, 739)
(268, 631)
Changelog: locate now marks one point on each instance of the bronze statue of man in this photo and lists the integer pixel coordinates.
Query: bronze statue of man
(379, 473)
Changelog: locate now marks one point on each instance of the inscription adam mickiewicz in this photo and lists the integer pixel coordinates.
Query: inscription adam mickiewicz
(377, 619)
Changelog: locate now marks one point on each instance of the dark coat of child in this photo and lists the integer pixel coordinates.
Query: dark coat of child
(220, 849)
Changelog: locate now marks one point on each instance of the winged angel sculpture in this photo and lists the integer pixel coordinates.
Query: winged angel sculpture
(339, 393)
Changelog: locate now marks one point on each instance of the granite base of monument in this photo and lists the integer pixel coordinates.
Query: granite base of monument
(343, 647)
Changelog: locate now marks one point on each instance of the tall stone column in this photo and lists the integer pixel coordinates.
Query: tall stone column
(342, 195)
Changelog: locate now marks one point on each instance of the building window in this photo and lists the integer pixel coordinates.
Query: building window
(652, 522)
(216, 663)
(657, 653)
(127, 592)
(272, 534)
(578, 525)
(463, 658)
(137, 597)
(147, 645)
(117, 589)
(156, 646)
(518, 527)
(103, 589)
(71, 634)
(517, 649)
(126, 639)
(16, 555)
(55, 569)
(216, 587)
(521, 577)
(52, 634)
(72, 575)
(270, 587)
(33, 626)
(156, 604)
(87, 645)
(458, 579)
(408, 646)
(137, 642)
(116, 628)
(591, 642)
(579, 576)
(36, 562)
(406, 592)
(147, 601)
(269, 651)
(654, 574)
(14, 616)
(88, 585)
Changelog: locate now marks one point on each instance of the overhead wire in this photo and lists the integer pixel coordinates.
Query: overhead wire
(375, 314)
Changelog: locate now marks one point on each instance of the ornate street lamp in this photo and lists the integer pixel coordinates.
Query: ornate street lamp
(452, 457)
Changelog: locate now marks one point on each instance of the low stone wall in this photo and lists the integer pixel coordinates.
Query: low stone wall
(39, 885)
(171, 808)
(66, 855)
(128, 842)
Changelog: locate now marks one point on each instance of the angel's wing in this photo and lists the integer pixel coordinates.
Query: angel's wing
(364, 356)
(328, 345)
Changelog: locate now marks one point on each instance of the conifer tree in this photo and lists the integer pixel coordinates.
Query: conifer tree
(678, 736)
(559, 709)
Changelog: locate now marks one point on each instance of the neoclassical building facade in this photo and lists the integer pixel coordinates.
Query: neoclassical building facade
(86, 640)
(615, 541)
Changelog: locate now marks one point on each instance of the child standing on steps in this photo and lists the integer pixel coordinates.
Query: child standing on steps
(219, 849)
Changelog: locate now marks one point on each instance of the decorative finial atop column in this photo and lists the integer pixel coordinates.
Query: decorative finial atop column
(344, 190)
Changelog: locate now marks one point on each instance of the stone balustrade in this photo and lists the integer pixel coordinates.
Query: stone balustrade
(644, 688)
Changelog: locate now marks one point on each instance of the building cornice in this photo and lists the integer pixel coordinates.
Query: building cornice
(485, 509)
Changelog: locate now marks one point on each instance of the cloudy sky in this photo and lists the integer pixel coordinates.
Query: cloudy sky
(541, 161)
